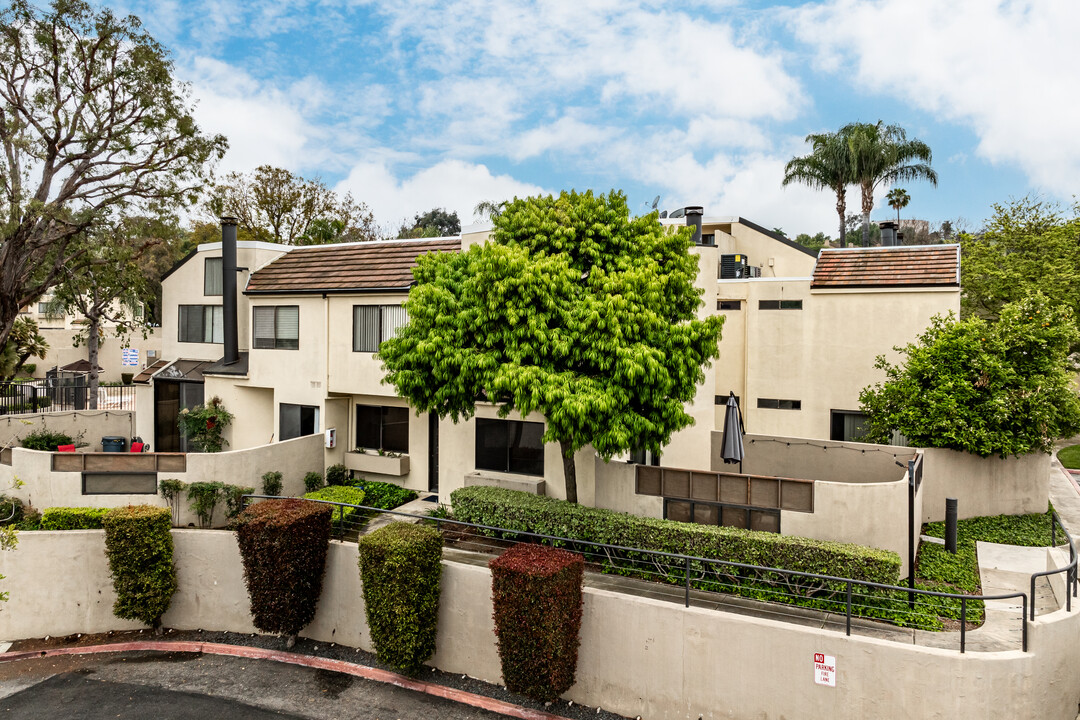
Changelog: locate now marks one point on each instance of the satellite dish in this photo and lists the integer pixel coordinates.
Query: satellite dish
(655, 202)
(663, 214)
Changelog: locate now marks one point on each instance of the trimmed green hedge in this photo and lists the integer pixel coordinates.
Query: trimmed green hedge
(138, 543)
(283, 545)
(536, 592)
(400, 568)
(384, 495)
(515, 510)
(72, 518)
(340, 494)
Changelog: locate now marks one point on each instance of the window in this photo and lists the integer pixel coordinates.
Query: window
(202, 324)
(382, 428)
(374, 323)
(212, 277)
(297, 420)
(722, 400)
(641, 456)
(780, 305)
(847, 426)
(774, 404)
(729, 304)
(510, 446)
(276, 327)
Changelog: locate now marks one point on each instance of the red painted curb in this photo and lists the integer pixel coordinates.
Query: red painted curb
(369, 673)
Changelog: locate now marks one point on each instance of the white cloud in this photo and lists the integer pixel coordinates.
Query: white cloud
(451, 184)
(566, 134)
(1006, 69)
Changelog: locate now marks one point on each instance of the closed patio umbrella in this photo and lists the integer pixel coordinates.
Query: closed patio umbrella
(731, 447)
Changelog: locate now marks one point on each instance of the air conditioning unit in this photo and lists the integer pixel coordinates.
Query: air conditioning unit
(733, 267)
(753, 271)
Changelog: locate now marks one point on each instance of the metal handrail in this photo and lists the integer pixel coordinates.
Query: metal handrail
(687, 560)
(1070, 569)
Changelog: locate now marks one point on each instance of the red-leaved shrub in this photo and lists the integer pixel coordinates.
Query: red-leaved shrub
(283, 544)
(536, 593)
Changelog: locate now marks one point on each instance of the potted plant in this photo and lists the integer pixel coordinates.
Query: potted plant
(203, 425)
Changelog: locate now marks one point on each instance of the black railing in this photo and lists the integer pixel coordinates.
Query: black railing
(855, 599)
(1069, 570)
(51, 395)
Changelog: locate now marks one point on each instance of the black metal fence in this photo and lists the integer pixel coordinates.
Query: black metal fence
(58, 395)
(851, 599)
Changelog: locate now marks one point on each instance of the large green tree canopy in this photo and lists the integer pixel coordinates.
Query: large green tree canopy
(1028, 245)
(573, 309)
(986, 388)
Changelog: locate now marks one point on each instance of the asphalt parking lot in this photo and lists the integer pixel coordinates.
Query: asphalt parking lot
(194, 686)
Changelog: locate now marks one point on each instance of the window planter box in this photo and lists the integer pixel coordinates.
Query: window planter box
(377, 464)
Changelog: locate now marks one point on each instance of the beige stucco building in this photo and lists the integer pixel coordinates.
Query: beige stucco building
(798, 345)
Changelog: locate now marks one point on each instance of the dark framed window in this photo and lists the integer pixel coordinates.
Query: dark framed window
(372, 324)
(722, 400)
(510, 446)
(382, 428)
(297, 420)
(212, 277)
(276, 327)
(641, 456)
(729, 304)
(780, 305)
(202, 324)
(847, 425)
(775, 404)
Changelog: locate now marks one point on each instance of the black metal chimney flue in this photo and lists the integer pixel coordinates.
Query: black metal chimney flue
(693, 217)
(228, 290)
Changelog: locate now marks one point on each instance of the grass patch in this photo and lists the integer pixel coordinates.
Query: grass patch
(1070, 457)
(940, 570)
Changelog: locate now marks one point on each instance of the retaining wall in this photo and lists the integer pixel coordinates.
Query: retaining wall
(638, 656)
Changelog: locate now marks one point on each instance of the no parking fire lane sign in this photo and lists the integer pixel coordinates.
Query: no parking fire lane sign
(825, 669)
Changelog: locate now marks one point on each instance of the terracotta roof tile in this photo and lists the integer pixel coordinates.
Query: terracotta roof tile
(345, 268)
(913, 266)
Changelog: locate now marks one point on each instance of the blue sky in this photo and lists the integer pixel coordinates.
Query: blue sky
(413, 104)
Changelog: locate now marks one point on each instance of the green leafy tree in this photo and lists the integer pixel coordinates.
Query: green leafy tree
(827, 167)
(1027, 246)
(574, 310)
(898, 198)
(814, 242)
(275, 205)
(23, 342)
(881, 154)
(434, 223)
(1003, 388)
(92, 126)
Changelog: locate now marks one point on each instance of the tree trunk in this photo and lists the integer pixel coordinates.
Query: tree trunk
(866, 229)
(841, 210)
(92, 352)
(569, 471)
(867, 206)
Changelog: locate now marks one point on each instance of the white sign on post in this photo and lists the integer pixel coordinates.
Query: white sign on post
(825, 669)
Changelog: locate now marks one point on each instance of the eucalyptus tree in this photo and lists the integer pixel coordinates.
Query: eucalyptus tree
(92, 126)
(827, 167)
(573, 309)
(881, 154)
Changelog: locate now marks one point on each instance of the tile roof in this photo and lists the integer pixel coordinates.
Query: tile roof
(346, 268)
(888, 267)
(150, 371)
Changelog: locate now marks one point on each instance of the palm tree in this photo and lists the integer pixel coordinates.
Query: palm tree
(898, 198)
(488, 209)
(827, 167)
(882, 154)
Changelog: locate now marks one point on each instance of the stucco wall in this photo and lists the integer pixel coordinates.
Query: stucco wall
(94, 424)
(638, 656)
(798, 457)
(984, 486)
(616, 490)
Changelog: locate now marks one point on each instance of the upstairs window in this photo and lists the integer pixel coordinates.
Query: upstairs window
(776, 404)
(780, 305)
(276, 327)
(202, 324)
(372, 324)
(212, 277)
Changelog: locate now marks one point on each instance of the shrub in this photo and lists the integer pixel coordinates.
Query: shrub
(283, 545)
(11, 510)
(536, 594)
(204, 497)
(138, 543)
(337, 475)
(29, 369)
(234, 499)
(45, 439)
(203, 425)
(271, 483)
(515, 510)
(385, 496)
(31, 519)
(400, 567)
(340, 494)
(72, 518)
(313, 481)
(172, 490)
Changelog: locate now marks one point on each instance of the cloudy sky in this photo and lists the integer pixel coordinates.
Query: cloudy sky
(413, 104)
